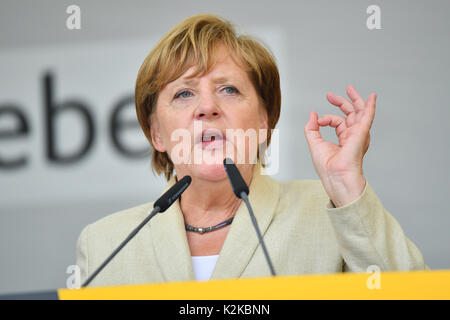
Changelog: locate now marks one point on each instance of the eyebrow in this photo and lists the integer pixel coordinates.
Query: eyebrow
(224, 79)
(194, 81)
(188, 81)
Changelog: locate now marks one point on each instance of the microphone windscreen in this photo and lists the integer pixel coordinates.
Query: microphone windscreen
(171, 195)
(237, 182)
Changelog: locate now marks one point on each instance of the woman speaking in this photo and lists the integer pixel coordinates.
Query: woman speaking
(205, 93)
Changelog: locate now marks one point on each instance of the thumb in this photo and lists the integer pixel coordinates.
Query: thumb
(312, 131)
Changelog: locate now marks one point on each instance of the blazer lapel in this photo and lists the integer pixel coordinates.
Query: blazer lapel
(242, 241)
(170, 243)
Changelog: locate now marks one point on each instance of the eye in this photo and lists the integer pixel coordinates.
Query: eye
(230, 90)
(183, 94)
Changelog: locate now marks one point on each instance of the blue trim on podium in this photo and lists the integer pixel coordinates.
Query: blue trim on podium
(43, 295)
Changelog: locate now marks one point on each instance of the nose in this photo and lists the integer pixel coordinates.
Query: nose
(208, 108)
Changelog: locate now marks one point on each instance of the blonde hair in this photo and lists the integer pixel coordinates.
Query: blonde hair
(194, 42)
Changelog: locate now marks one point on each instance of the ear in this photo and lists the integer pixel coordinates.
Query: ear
(263, 124)
(264, 119)
(155, 133)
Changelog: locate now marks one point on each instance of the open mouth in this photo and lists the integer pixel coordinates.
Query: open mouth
(212, 136)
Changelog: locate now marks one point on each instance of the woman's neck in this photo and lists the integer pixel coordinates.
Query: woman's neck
(207, 203)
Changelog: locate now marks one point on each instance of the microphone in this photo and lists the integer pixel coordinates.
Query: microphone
(241, 191)
(171, 195)
(160, 205)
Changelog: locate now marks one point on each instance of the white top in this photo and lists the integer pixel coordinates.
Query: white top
(204, 266)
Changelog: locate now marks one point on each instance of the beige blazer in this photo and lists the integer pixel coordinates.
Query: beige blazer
(303, 232)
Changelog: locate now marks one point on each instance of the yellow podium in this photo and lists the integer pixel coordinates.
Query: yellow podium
(360, 286)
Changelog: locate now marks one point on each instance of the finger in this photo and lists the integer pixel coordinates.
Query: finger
(369, 110)
(312, 131)
(335, 121)
(345, 105)
(357, 100)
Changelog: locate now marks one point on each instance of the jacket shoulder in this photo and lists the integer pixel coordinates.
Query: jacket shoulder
(311, 188)
(126, 219)
(306, 195)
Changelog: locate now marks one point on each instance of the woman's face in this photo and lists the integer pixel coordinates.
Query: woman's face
(194, 116)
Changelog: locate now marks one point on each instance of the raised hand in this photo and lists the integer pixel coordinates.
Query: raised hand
(339, 167)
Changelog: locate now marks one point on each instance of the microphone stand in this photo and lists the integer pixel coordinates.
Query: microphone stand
(258, 232)
(160, 205)
(124, 242)
(241, 191)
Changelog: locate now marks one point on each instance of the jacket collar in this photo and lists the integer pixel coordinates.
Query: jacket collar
(170, 241)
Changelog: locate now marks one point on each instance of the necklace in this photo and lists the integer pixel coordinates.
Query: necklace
(208, 229)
